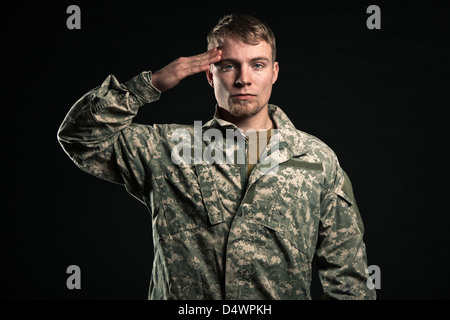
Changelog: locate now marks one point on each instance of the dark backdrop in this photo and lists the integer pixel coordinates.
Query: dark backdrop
(378, 98)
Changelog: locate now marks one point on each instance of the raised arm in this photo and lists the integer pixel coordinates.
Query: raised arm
(98, 134)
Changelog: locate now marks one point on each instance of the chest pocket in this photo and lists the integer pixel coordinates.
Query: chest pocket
(189, 197)
(289, 203)
(209, 193)
(283, 221)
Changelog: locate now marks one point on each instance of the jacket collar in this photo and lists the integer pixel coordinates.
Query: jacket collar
(295, 140)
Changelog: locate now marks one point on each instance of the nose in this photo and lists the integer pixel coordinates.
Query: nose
(243, 78)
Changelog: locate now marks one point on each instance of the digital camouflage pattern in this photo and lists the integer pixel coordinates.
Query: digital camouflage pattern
(217, 234)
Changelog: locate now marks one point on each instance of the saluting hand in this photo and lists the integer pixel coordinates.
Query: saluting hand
(169, 76)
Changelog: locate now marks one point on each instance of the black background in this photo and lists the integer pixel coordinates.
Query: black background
(378, 98)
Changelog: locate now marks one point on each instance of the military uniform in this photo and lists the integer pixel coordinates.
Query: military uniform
(218, 233)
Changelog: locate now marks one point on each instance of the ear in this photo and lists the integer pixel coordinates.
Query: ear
(209, 77)
(276, 69)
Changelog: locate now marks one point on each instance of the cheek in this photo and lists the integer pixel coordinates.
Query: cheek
(222, 83)
(267, 82)
(221, 91)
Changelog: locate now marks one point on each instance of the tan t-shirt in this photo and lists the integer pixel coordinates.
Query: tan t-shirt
(257, 142)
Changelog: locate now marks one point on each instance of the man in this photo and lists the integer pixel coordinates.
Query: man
(235, 229)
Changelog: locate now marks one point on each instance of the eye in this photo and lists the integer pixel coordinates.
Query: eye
(258, 66)
(227, 67)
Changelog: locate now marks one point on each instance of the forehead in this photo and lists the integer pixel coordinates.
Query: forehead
(239, 50)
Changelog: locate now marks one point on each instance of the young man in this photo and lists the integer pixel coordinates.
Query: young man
(226, 229)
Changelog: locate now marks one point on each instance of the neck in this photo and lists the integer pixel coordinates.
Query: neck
(259, 121)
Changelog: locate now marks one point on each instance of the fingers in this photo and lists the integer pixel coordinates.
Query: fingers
(172, 74)
(205, 59)
(210, 56)
(201, 62)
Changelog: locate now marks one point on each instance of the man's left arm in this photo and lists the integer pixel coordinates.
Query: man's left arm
(341, 252)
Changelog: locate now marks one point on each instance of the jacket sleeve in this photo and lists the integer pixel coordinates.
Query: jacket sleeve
(98, 134)
(341, 253)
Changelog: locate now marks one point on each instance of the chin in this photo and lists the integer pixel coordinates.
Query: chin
(244, 109)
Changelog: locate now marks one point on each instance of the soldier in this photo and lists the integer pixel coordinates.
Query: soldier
(226, 229)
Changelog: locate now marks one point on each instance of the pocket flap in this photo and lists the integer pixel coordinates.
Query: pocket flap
(209, 194)
(277, 222)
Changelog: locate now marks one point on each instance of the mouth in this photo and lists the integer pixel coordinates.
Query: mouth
(243, 96)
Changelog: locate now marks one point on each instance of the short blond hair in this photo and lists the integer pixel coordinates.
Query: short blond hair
(243, 27)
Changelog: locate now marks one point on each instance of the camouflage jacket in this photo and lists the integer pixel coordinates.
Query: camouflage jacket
(217, 234)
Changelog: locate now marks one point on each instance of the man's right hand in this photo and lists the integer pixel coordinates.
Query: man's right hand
(169, 76)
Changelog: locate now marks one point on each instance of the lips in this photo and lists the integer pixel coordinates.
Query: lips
(243, 96)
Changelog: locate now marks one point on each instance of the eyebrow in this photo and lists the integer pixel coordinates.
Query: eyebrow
(235, 61)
